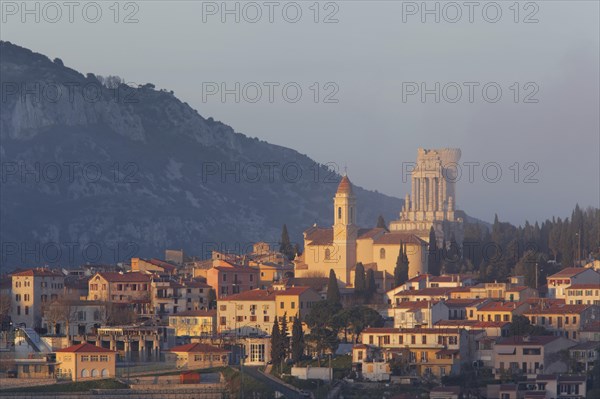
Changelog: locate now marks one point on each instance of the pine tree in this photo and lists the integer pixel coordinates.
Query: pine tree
(333, 291)
(276, 356)
(360, 283)
(297, 340)
(285, 245)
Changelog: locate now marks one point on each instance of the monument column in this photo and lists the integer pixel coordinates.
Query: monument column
(412, 198)
(431, 193)
(421, 194)
(440, 181)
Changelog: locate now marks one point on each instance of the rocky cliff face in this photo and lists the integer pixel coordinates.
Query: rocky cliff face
(92, 174)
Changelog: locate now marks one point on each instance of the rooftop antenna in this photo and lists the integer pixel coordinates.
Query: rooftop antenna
(345, 170)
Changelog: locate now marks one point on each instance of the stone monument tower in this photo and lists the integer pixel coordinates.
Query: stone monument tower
(432, 201)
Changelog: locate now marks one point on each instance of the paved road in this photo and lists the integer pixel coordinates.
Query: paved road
(287, 393)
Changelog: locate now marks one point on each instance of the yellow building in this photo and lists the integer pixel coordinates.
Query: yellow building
(194, 323)
(344, 244)
(295, 302)
(252, 313)
(198, 356)
(497, 311)
(86, 361)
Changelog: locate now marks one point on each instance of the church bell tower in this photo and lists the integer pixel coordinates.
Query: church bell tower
(345, 230)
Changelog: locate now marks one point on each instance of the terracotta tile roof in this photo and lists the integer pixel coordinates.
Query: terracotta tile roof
(198, 348)
(85, 348)
(160, 263)
(39, 272)
(195, 313)
(292, 291)
(131, 277)
(463, 302)
(560, 309)
(397, 238)
(319, 235)
(417, 278)
(568, 272)
(253, 295)
(370, 233)
(426, 291)
(584, 287)
(345, 187)
(491, 324)
(196, 284)
(517, 288)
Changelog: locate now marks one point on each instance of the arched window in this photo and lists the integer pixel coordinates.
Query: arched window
(85, 373)
(94, 373)
(339, 212)
(382, 253)
(105, 373)
(327, 254)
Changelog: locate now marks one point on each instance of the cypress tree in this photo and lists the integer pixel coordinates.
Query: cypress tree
(370, 290)
(285, 245)
(333, 291)
(381, 223)
(360, 283)
(433, 266)
(297, 340)
(284, 337)
(398, 269)
(276, 343)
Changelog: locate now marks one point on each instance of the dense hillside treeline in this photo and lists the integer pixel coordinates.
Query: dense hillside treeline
(505, 250)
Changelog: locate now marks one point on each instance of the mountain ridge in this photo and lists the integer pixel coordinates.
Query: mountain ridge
(139, 166)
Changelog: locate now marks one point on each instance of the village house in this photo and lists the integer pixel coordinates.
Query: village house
(196, 294)
(564, 320)
(558, 283)
(434, 352)
(73, 317)
(250, 313)
(119, 287)
(584, 356)
(417, 314)
(230, 279)
(85, 361)
(583, 294)
(424, 294)
(529, 355)
(498, 311)
(198, 356)
(153, 266)
(295, 302)
(194, 323)
(32, 289)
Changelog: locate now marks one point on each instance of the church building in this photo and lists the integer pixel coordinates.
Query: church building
(344, 244)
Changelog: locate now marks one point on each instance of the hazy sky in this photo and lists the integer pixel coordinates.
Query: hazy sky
(372, 57)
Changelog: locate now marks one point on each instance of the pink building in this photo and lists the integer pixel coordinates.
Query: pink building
(228, 279)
